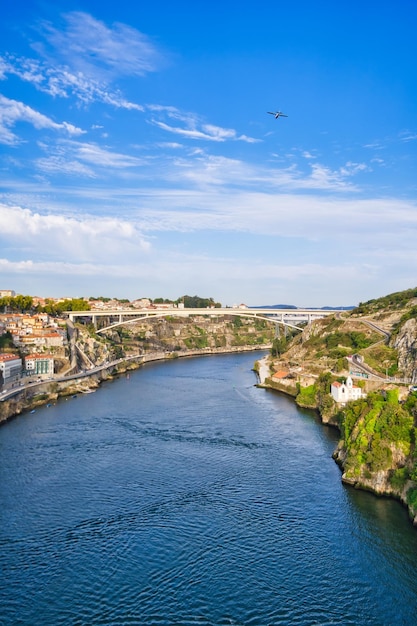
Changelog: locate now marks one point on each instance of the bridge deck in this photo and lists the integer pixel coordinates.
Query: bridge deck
(287, 317)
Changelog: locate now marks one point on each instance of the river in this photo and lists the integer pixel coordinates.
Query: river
(184, 494)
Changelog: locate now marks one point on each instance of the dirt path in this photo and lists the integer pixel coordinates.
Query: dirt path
(263, 370)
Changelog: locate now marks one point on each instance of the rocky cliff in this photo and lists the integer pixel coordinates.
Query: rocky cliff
(377, 450)
(405, 343)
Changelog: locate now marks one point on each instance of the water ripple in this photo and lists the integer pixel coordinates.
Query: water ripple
(159, 501)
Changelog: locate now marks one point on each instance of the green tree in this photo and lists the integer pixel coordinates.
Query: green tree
(196, 302)
(17, 303)
(279, 346)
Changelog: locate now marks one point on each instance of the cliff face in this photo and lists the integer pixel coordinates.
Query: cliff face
(173, 335)
(393, 481)
(377, 450)
(406, 345)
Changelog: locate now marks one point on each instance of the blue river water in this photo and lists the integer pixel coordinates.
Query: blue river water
(184, 494)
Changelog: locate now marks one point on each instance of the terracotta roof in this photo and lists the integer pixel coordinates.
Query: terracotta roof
(9, 357)
(280, 374)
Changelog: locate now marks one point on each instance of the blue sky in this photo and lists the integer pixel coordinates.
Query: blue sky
(137, 157)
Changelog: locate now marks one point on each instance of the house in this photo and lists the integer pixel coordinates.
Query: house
(10, 367)
(38, 364)
(344, 392)
(280, 375)
(44, 338)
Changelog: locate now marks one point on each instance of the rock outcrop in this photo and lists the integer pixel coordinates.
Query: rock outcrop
(405, 342)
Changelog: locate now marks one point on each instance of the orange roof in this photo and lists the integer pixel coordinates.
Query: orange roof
(9, 357)
(280, 374)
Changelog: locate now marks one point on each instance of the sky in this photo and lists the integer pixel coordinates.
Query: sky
(138, 158)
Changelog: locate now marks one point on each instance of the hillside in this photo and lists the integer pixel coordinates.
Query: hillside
(171, 335)
(376, 345)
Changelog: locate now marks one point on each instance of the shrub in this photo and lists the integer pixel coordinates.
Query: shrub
(399, 478)
(307, 396)
(412, 497)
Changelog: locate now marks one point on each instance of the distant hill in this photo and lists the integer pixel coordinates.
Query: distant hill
(392, 302)
(275, 306)
(292, 306)
(337, 308)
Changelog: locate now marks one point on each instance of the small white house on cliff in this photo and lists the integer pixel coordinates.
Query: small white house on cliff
(343, 392)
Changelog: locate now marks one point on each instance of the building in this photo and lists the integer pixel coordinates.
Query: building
(280, 375)
(10, 367)
(344, 392)
(39, 364)
(7, 293)
(44, 339)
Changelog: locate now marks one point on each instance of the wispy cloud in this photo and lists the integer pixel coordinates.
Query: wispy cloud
(82, 57)
(193, 127)
(63, 82)
(83, 159)
(90, 46)
(408, 136)
(12, 111)
(208, 132)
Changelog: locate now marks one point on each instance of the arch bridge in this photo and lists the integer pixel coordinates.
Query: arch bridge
(285, 317)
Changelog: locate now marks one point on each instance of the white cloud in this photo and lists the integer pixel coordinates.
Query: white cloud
(83, 57)
(83, 159)
(12, 112)
(81, 238)
(350, 169)
(90, 46)
(343, 223)
(62, 82)
(209, 133)
(91, 153)
(407, 136)
(194, 128)
(63, 165)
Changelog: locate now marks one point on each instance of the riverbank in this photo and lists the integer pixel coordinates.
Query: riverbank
(377, 483)
(32, 396)
(263, 370)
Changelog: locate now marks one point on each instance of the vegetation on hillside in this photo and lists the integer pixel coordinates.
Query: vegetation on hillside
(281, 343)
(57, 308)
(16, 304)
(408, 315)
(196, 302)
(6, 342)
(378, 432)
(317, 396)
(392, 302)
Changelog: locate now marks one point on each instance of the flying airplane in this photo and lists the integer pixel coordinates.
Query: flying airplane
(277, 114)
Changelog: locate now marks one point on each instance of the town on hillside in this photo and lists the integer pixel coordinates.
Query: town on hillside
(34, 335)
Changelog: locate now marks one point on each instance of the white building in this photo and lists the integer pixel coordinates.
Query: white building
(343, 392)
(10, 367)
(39, 364)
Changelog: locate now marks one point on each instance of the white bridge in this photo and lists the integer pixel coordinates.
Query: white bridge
(285, 317)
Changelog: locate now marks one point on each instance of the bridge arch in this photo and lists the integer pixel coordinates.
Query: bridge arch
(289, 317)
(204, 312)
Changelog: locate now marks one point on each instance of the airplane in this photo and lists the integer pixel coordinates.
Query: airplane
(277, 114)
